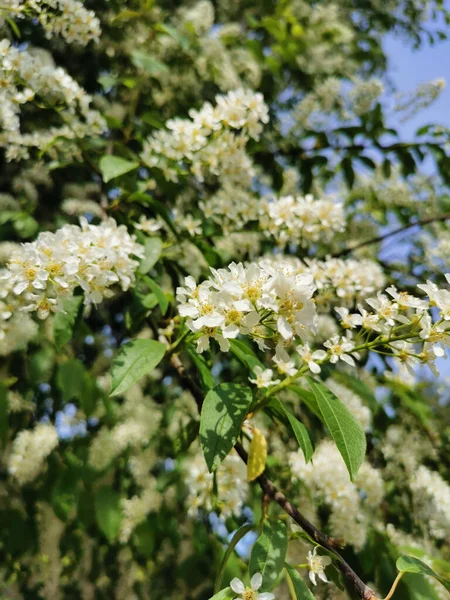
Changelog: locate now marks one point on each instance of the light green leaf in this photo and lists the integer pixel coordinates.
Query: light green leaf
(411, 564)
(223, 412)
(64, 320)
(148, 63)
(344, 428)
(114, 166)
(277, 410)
(159, 293)
(237, 537)
(226, 594)
(108, 512)
(134, 360)
(3, 414)
(269, 553)
(152, 252)
(300, 588)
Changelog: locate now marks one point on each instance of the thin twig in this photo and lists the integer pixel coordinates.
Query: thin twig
(385, 236)
(270, 490)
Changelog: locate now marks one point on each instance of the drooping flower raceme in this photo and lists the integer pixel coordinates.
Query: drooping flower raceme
(264, 302)
(301, 219)
(29, 451)
(93, 257)
(30, 74)
(212, 141)
(67, 18)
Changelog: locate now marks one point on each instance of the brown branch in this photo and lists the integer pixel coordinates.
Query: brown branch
(270, 490)
(381, 238)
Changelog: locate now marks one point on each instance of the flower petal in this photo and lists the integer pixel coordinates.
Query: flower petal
(256, 581)
(237, 586)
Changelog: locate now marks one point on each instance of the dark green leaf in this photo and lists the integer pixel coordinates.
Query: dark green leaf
(108, 512)
(185, 438)
(245, 354)
(134, 360)
(269, 553)
(206, 377)
(344, 428)
(223, 412)
(300, 588)
(277, 409)
(69, 379)
(3, 414)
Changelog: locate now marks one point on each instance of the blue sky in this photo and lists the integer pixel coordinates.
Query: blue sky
(408, 68)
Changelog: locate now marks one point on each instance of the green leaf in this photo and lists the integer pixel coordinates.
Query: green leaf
(152, 252)
(185, 438)
(3, 414)
(159, 293)
(245, 354)
(64, 320)
(300, 588)
(108, 513)
(223, 412)
(206, 377)
(69, 379)
(411, 564)
(359, 388)
(276, 409)
(114, 166)
(237, 537)
(134, 360)
(226, 594)
(269, 553)
(148, 63)
(344, 428)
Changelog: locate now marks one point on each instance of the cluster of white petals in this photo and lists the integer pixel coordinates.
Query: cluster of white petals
(68, 18)
(431, 495)
(93, 257)
(30, 74)
(139, 419)
(338, 280)
(232, 486)
(136, 508)
(328, 477)
(212, 141)
(263, 301)
(301, 219)
(29, 450)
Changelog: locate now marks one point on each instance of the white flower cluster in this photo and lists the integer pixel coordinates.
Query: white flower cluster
(328, 477)
(338, 280)
(94, 257)
(139, 418)
(409, 103)
(16, 329)
(232, 486)
(29, 450)
(301, 219)
(231, 207)
(67, 18)
(431, 495)
(212, 141)
(28, 74)
(136, 509)
(260, 300)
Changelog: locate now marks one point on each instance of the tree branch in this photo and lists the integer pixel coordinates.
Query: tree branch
(272, 492)
(381, 238)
